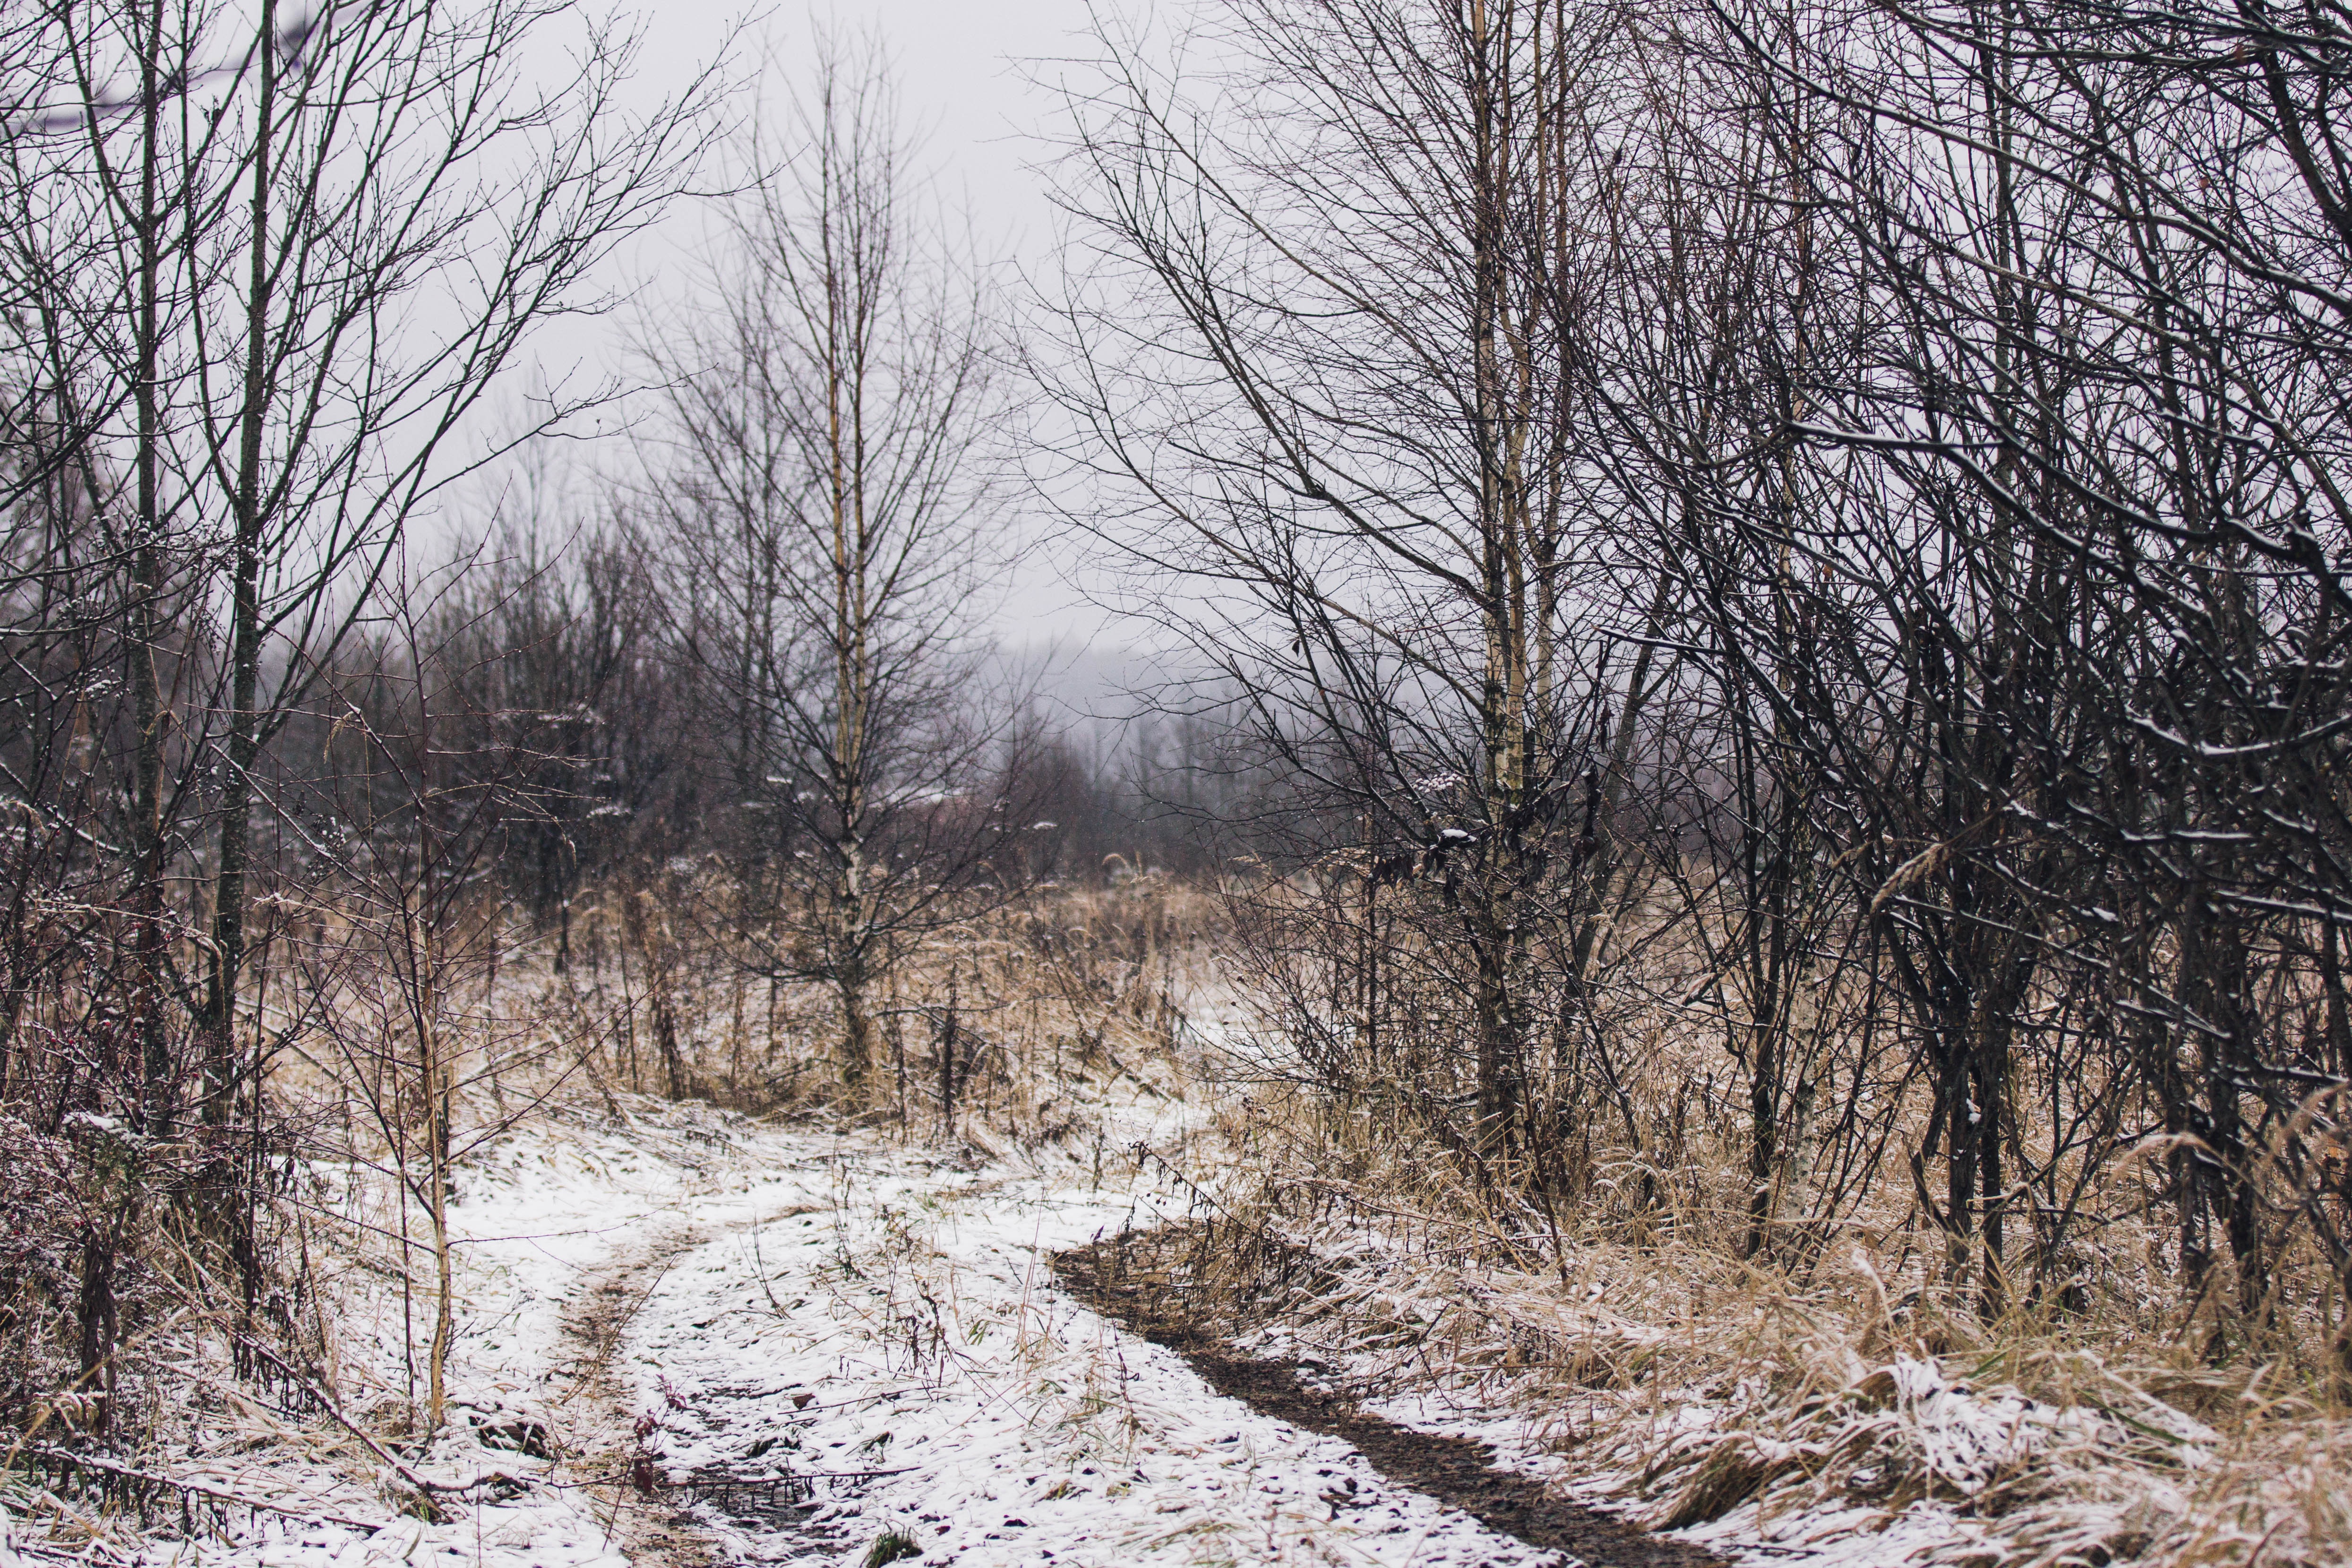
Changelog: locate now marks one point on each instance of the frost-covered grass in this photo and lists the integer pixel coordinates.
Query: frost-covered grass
(547, 1203)
(1773, 1417)
(871, 1323)
(835, 1330)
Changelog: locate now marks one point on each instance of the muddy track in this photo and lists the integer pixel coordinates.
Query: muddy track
(654, 1521)
(591, 1404)
(1454, 1471)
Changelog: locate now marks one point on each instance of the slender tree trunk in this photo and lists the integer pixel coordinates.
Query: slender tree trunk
(149, 848)
(98, 1321)
(947, 1042)
(857, 1024)
(1497, 938)
(1960, 1163)
(229, 891)
(665, 1034)
(1764, 1139)
(437, 1085)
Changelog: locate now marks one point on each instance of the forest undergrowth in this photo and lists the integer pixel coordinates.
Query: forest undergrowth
(1828, 1395)
(1826, 1411)
(1832, 1398)
(1831, 1394)
(294, 1361)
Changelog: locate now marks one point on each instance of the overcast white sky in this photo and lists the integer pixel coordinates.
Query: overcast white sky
(963, 68)
(961, 79)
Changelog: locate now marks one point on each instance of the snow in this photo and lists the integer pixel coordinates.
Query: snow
(912, 1309)
(1904, 1459)
(875, 1331)
(830, 1337)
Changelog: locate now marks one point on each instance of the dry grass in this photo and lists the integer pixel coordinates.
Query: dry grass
(1829, 1391)
(1841, 1403)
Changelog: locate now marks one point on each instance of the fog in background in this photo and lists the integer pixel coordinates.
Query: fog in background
(976, 90)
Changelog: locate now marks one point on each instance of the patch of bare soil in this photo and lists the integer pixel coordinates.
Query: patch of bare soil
(653, 1517)
(1454, 1471)
(597, 1430)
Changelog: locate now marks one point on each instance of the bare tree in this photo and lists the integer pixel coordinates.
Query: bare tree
(261, 273)
(2065, 606)
(567, 664)
(821, 511)
(394, 154)
(1325, 376)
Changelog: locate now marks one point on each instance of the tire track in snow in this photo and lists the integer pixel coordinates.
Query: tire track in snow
(593, 1325)
(905, 1328)
(1456, 1471)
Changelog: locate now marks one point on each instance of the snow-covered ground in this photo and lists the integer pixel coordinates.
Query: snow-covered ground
(767, 1344)
(1830, 1459)
(878, 1318)
(820, 1342)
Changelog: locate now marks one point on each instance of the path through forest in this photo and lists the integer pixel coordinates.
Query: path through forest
(796, 1345)
(688, 1339)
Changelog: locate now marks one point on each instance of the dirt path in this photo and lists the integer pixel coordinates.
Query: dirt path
(592, 1406)
(1454, 1471)
(858, 1355)
(657, 1520)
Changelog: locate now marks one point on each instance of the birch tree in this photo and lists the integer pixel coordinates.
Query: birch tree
(1323, 369)
(825, 515)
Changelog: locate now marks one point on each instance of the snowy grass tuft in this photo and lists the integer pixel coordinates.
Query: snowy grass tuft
(1778, 1415)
